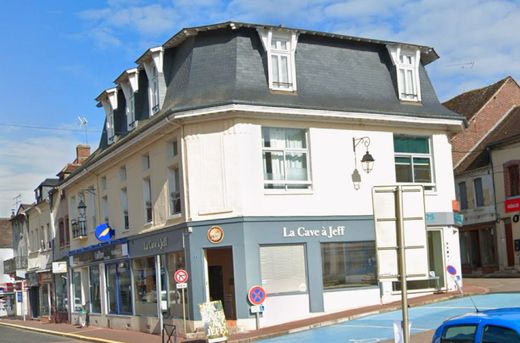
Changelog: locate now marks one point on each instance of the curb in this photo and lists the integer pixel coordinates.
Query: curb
(59, 333)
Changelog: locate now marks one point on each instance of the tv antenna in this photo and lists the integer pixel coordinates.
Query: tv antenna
(83, 123)
(17, 201)
(462, 65)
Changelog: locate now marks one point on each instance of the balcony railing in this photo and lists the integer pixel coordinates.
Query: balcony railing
(21, 262)
(79, 228)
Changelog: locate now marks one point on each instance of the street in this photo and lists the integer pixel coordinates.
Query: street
(12, 335)
(424, 319)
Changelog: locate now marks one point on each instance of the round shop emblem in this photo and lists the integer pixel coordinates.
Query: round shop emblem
(215, 234)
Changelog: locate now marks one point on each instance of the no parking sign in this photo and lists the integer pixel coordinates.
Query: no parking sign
(256, 295)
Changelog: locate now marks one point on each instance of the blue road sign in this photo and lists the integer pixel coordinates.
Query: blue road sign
(104, 232)
(256, 295)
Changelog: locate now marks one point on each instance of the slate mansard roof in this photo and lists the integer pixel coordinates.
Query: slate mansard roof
(226, 64)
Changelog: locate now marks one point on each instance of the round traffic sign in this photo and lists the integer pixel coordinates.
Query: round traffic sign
(180, 276)
(256, 295)
(451, 270)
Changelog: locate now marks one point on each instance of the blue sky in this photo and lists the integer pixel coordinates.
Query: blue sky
(56, 56)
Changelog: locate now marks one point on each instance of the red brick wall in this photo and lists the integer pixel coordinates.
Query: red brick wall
(505, 98)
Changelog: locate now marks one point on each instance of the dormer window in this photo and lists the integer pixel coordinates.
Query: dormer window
(280, 48)
(108, 99)
(152, 61)
(407, 61)
(128, 81)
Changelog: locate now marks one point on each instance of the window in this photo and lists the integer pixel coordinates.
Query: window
(122, 173)
(154, 91)
(145, 160)
(407, 62)
(119, 288)
(95, 296)
(145, 286)
(172, 149)
(280, 48)
(174, 190)
(498, 334)
(413, 161)
(61, 230)
(286, 158)
(479, 195)
(103, 183)
(110, 127)
(104, 209)
(130, 112)
(147, 194)
(67, 231)
(76, 287)
(282, 268)
(348, 264)
(124, 208)
(514, 180)
(91, 208)
(463, 196)
(459, 333)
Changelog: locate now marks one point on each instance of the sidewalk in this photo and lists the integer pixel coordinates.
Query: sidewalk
(104, 335)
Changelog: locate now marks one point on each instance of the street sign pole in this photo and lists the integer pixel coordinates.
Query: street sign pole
(183, 311)
(401, 260)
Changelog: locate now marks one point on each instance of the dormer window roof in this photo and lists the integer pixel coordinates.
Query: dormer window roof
(406, 60)
(152, 62)
(108, 99)
(280, 46)
(129, 83)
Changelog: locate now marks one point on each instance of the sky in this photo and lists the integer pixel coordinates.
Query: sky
(56, 56)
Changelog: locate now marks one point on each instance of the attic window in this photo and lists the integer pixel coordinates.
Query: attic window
(280, 48)
(128, 82)
(108, 99)
(407, 61)
(152, 62)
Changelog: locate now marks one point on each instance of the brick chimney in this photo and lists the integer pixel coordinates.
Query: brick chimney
(82, 153)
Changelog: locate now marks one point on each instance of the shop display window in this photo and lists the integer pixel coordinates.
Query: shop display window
(282, 268)
(76, 288)
(95, 296)
(119, 288)
(171, 297)
(348, 264)
(145, 286)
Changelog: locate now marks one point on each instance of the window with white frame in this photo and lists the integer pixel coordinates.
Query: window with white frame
(130, 112)
(154, 91)
(122, 173)
(124, 208)
(104, 208)
(103, 183)
(413, 160)
(147, 194)
(174, 190)
(407, 63)
(91, 208)
(172, 149)
(110, 127)
(285, 158)
(280, 48)
(145, 160)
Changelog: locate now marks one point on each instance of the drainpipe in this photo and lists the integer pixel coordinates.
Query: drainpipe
(497, 217)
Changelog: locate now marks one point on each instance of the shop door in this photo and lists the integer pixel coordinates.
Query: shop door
(221, 280)
(435, 256)
(509, 244)
(34, 295)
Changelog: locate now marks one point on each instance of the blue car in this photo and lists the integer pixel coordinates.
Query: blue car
(489, 326)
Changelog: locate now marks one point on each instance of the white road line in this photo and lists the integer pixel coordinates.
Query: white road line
(381, 327)
(453, 307)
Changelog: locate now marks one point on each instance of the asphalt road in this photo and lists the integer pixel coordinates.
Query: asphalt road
(12, 335)
(378, 327)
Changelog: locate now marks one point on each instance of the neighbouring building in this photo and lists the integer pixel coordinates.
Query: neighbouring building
(7, 297)
(484, 110)
(243, 154)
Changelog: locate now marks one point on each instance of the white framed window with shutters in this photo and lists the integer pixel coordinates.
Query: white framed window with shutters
(280, 47)
(407, 61)
(285, 154)
(283, 268)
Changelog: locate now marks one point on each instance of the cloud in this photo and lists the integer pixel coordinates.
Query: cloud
(30, 161)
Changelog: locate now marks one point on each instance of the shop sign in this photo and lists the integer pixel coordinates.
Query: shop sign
(155, 244)
(458, 218)
(215, 234)
(105, 253)
(512, 205)
(324, 231)
(59, 267)
(104, 232)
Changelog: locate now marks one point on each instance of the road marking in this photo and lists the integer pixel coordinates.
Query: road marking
(380, 327)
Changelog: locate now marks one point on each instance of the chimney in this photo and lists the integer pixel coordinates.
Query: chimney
(82, 153)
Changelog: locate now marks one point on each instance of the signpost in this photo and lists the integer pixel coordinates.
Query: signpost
(256, 297)
(180, 277)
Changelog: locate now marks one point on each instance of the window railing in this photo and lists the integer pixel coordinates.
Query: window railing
(126, 220)
(79, 228)
(148, 208)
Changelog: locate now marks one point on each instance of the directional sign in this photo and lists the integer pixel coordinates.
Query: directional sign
(451, 270)
(256, 295)
(180, 276)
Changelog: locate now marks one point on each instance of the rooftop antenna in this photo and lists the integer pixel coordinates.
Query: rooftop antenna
(462, 65)
(83, 123)
(17, 200)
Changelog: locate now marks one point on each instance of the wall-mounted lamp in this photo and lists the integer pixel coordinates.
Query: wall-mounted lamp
(367, 162)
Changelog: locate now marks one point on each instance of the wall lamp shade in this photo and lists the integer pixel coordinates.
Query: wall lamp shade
(367, 162)
(356, 179)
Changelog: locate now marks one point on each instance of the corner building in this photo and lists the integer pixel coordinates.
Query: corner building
(237, 152)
